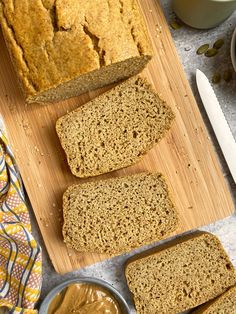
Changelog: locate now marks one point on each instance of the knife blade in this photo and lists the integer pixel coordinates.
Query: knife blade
(219, 124)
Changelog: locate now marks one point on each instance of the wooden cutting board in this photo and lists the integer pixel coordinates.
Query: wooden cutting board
(186, 156)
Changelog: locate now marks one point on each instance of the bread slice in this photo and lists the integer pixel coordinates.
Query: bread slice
(117, 215)
(181, 275)
(61, 49)
(115, 129)
(224, 304)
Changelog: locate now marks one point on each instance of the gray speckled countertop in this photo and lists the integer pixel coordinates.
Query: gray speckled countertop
(187, 40)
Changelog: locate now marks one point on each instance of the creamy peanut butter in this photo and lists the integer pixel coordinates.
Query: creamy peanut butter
(84, 299)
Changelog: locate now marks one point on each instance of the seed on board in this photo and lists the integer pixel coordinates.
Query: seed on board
(211, 52)
(227, 75)
(202, 49)
(216, 78)
(175, 24)
(219, 43)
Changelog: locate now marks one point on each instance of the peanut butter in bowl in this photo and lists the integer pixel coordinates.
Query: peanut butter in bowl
(84, 296)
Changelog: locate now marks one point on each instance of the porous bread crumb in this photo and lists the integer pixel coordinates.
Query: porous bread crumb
(115, 129)
(119, 214)
(224, 304)
(181, 275)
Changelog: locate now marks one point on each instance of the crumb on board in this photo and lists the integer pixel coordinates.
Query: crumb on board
(159, 29)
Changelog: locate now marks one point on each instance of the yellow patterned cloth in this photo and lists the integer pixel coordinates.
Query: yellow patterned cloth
(20, 254)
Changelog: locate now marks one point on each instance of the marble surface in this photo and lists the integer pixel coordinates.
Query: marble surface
(187, 40)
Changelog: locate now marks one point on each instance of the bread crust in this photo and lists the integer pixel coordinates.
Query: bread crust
(55, 43)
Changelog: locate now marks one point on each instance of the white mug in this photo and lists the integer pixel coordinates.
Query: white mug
(203, 13)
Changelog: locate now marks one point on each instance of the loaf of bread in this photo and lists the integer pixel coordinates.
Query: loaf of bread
(61, 48)
(119, 214)
(180, 275)
(115, 129)
(224, 304)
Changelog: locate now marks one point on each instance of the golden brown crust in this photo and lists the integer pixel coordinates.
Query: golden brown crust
(53, 42)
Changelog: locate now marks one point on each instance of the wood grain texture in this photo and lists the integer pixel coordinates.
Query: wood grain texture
(186, 156)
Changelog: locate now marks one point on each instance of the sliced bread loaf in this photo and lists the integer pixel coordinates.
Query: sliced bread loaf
(181, 275)
(117, 215)
(61, 48)
(224, 304)
(115, 129)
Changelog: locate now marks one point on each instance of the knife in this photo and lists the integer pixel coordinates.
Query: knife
(218, 121)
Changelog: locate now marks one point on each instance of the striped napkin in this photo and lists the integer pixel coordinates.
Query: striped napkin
(20, 254)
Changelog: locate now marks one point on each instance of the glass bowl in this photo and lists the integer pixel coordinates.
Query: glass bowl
(119, 298)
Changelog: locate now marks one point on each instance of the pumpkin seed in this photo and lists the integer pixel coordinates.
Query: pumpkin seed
(219, 43)
(175, 24)
(211, 52)
(202, 49)
(216, 78)
(227, 75)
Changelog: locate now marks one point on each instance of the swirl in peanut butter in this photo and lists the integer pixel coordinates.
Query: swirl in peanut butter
(84, 299)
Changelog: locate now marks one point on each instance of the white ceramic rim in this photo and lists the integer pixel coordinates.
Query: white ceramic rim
(233, 50)
(222, 1)
(46, 302)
